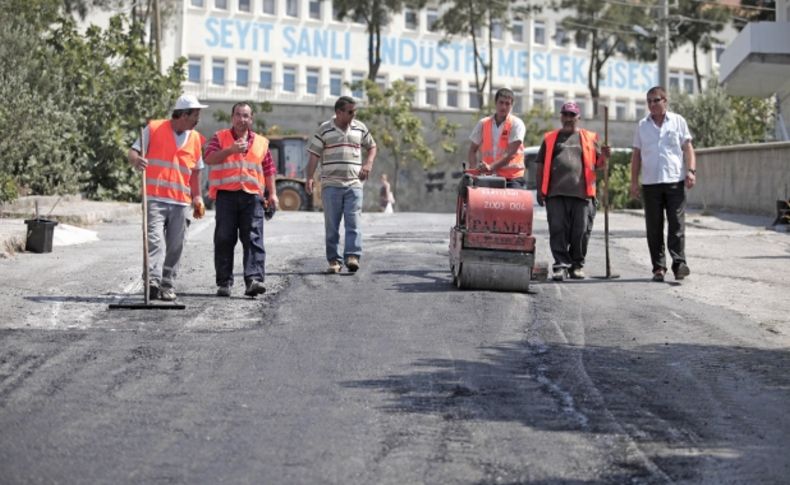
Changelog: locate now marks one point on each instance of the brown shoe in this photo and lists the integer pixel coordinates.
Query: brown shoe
(658, 275)
(334, 267)
(352, 263)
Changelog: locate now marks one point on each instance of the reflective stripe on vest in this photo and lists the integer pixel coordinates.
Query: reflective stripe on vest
(169, 167)
(515, 167)
(589, 157)
(240, 171)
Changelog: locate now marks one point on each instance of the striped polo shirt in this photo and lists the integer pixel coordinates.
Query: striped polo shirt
(341, 152)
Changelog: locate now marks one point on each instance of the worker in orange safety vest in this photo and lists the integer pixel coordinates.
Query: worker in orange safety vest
(241, 180)
(499, 140)
(172, 163)
(565, 177)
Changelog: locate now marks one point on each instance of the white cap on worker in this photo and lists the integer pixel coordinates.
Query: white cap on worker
(188, 101)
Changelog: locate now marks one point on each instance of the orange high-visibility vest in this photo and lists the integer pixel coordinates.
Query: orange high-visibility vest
(589, 157)
(240, 171)
(170, 167)
(515, 167)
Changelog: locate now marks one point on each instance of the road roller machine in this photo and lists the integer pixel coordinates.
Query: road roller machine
(491, 244)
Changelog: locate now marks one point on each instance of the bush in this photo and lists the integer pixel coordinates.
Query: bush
(8, 189)
(619, 182)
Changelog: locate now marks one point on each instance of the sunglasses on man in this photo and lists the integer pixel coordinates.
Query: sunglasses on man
(654, 100)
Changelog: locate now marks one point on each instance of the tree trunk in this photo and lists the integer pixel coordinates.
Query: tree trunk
(696, 67)
(593, 73)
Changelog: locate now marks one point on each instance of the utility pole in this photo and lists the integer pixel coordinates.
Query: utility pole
(663, 43)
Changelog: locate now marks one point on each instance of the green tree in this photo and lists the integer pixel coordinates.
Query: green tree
(397, 129)
(537, 121)
(755, 11)
(376, 14)
(699, 21)
(606, 29)
(467, 18)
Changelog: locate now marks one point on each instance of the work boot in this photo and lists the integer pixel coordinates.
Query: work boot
(255, 288)
(352, 263)
(334, 267)
(577, 274)
(153, 292)
(558, 274)
(223, 291)
(658, 275)
(167, 294)
(681, 270)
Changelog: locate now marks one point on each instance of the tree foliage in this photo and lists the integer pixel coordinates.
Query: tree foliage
(699, 21)
(716, 118)
(755, 11)
(74, 102)
(376, 14)
(388, 114)
(605, 27)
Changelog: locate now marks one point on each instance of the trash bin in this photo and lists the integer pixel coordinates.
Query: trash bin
(39, 235)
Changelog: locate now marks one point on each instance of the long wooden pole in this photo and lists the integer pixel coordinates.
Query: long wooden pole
(606, 192)
(146, 275)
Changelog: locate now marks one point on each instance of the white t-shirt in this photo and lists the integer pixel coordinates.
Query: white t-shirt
(517, 133)
(662, 149)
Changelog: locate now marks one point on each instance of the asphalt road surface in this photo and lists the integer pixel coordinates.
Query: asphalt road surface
(392, 375)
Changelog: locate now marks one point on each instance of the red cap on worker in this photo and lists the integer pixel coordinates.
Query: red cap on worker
(571, 107)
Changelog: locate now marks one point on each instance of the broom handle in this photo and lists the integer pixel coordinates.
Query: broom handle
(146, 282)
(606, 192)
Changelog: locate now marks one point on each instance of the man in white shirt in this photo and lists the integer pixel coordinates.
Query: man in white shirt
(664, 155)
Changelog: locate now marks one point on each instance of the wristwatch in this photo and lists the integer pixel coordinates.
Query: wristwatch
(692, 171)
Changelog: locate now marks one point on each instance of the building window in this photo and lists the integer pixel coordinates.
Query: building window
(335, 83)
(315, 9)
(640, 112)
(496, 29)
(688, 84)
(559, 100)
(581, 41)
(268, 7)
(312, 80)
(218, 72)
(292, 8)
(410, 19)
(266, 76)
(718, 50)
(244, 5)
(518, 104)
(452, 95)
(381, 81)
(560, 36)
(196, 3)
(289, 79)
(431, 16)
(357, 77)
(193, 69)
(539, 33)
(474, 101)
(243, 73)
(412, 81)
(582, 107)
(620, 108)
(221, 4)
(517, 30)
(539, 99)
(431, 92)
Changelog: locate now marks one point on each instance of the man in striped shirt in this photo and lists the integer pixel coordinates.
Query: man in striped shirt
(338, 143)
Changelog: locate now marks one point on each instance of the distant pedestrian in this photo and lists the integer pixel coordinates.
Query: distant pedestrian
(241, 172)
(565, 177)
(499, 140)
(386, 198)
(172, 179)
(664, 156)
(338, 143)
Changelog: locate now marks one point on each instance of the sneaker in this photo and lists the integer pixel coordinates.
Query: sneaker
(681, 271)
(334, 267)
(255, 288)
(658, 275)
(577, 274)
(153, 292)
(167, 294)
(223, 291)
(558, 274)
(352, 263)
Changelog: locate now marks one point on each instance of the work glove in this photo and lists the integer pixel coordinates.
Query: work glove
(198, 208)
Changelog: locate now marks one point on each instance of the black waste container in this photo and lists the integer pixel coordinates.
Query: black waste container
(39, 235)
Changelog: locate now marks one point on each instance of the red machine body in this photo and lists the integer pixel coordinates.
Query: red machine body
(491, 244)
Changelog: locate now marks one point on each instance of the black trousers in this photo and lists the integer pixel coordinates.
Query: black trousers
(670, 199)
(239, 216)
(570, 225)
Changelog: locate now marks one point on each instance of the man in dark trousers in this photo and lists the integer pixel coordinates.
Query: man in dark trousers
(565, 177)
(241, 170)
(664, 156)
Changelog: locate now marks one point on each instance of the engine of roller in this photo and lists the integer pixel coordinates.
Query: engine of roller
(491, 244)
